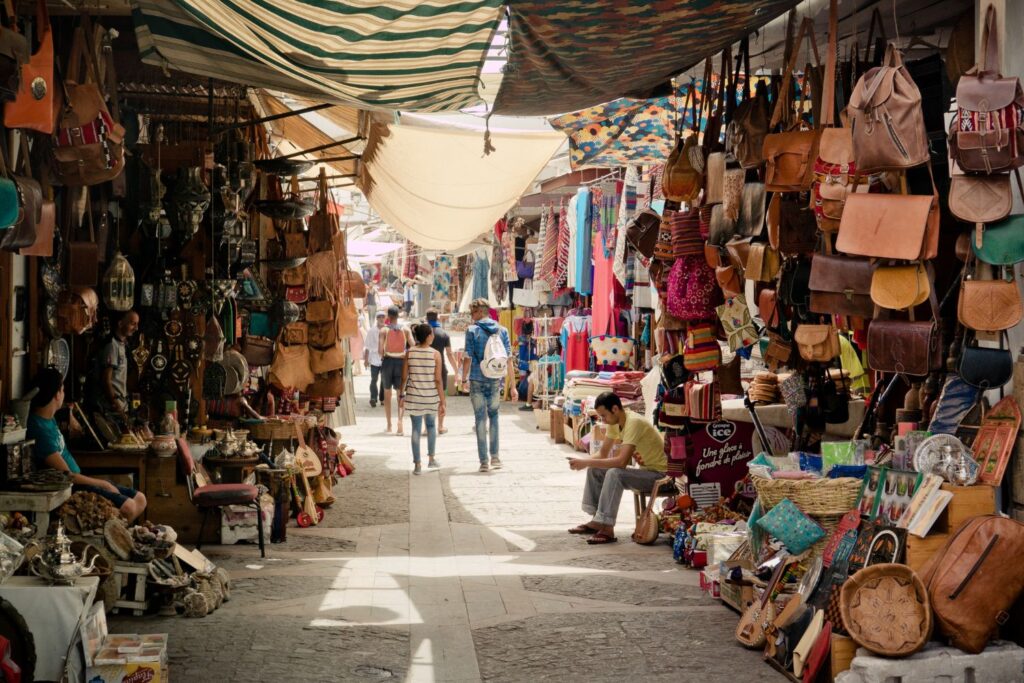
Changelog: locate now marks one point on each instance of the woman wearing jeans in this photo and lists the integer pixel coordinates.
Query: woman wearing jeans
(423, 394)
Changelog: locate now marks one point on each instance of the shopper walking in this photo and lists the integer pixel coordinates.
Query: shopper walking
(371, 356)
(485, 367)
(443, 345)
(371, 300)
(423, 395)
(393, 342)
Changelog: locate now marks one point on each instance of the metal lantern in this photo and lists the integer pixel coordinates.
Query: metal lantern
(119, 284)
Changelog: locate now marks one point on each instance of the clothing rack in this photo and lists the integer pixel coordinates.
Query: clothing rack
(546, 369)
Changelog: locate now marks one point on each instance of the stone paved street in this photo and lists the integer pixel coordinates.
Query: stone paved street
(456, 576)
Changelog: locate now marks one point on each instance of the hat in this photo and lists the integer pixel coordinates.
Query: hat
(48, 382)
(381, 314)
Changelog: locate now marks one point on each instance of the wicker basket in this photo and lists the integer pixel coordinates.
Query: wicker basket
(815, 497)
(271, 429)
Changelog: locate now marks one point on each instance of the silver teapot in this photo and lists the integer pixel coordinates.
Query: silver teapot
(55, 562)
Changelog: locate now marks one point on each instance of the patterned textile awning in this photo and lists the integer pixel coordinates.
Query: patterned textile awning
(572, 54)
(423, 55)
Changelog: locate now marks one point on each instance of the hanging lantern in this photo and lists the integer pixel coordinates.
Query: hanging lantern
(119, 284)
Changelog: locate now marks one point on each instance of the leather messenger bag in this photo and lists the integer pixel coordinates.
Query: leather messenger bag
(841, 285)
(910, 347)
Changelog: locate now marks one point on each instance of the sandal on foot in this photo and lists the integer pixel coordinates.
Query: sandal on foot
(582, 529)
(601, 538)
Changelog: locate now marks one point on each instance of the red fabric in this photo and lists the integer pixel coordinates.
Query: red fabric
(577, 351)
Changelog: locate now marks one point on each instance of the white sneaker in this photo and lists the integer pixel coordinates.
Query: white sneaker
(495, 464)
(417, 469)
(433, 464)
(484, 467)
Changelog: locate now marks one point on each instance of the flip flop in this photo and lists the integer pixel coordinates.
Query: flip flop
(442, 430)
(582, 530)
(601, 538)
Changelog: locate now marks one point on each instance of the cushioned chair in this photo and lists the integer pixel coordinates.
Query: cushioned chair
(208, 497)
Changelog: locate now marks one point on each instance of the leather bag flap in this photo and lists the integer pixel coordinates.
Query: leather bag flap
(886, 226)
(879, 81)
(986, 368)
(900, 287)
(989, 305)
(1002, 243)
(836, 146)
(980, 199)
(812, 335)
(841, 275)
(986, 93)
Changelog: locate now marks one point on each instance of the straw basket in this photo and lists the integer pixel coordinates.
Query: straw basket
(271, 429)
(815, 497)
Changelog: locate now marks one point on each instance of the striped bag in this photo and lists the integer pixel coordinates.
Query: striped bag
(702, 351)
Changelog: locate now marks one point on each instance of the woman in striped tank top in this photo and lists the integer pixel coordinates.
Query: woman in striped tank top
(422, 393)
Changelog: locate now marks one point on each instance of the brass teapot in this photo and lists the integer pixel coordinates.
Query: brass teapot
(55, 562)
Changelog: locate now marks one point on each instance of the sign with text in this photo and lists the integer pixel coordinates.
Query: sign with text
(719, 454)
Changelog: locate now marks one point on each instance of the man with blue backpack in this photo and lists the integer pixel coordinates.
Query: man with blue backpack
(486, 366)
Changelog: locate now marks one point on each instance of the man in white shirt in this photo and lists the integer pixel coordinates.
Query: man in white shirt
(371, 356)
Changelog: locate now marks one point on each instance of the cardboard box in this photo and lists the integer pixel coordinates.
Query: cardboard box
(121, 658)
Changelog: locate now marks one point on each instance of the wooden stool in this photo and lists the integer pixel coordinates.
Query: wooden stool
(131, 580)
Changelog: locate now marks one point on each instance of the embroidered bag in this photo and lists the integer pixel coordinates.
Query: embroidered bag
(738, 324)
(693, 291)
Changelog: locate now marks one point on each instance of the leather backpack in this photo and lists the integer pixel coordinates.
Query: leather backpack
(790, 155)
(33, 105)
(88, 145)
(745, 133)
(886, 119)
(975, 579)
(987, 133)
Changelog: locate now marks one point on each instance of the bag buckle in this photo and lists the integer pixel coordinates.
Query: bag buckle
(848, 293)
(1002, 617)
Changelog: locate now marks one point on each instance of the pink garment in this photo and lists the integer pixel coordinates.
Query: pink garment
(604, 281)
(577, 351)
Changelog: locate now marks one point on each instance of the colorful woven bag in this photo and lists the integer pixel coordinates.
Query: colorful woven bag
(702, 351)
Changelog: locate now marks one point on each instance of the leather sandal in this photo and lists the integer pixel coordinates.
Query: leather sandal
(601, 538)
(582, 529)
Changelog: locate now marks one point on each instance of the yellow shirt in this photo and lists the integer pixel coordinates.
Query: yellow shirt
(644, 438)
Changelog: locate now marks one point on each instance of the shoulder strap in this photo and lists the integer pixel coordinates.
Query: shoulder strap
(990, 43)
(828, 98)
(806, 30)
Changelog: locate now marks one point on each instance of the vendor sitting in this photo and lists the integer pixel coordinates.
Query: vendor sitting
(609, 474)
(50, 451)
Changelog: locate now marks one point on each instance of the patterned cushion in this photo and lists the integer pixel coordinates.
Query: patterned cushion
(789, 524)
(215, 495)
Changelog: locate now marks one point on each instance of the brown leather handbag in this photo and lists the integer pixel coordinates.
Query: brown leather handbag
(642, 232)
(296, 333)
(886, 119)
(258, 351)
(986, 134)
(900, 287)
(323, 225)
(295, 245)
(768, 307)
(989, 305)
(30, 204)
(729, 280)
(792, 228)
(327, 385)
(981, 198)
(841, 285)
(290, 367)
(974, 580)
(763, 263)
(323, 334)
(682, 181)
(910, 347)
(83, 256)
(790, 155)
(319, 311)
(33, 106)
(817, 343)
(43, 245)
(891, 226)
(77, 308)
(744, 135)
(326, 360)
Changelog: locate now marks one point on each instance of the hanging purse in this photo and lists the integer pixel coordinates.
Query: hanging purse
(817, 343)
(984, 367)
(989, 305)
(327, 385)
(322, 334)
(737, 323)
(790, 156)
(323, 225)
(347, 318)
(906, 346)
(642, 232)
(320, 311)
(763, 263)
(83, 257)
(891, 226)
(900, 287)
(714, 177)
(33, 106)
(752, 210)
(290, 368)
(729, 280)
(744, 135)
(982, 198)
(841, 286)
(792, 228)
(326, 360)
(701, 351)
(258, 351)
(30, 203)
(1002, 243)
(13, 56)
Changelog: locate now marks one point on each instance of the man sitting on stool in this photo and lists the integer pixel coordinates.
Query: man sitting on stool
(609, 474)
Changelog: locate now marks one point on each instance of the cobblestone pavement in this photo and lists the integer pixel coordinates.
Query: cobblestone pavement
(456, 576)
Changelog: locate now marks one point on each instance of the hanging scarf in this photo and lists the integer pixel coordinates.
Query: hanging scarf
(562, 263)
(627, 207)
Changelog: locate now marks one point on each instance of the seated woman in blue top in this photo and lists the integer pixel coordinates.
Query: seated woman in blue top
(50, 450)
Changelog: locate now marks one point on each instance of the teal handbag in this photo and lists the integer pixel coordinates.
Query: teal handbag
(1002, 243)
(10, 209)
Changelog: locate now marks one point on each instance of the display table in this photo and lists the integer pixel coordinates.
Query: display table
(115, 462)
(777, 415)
(40, 504)
(52, 614)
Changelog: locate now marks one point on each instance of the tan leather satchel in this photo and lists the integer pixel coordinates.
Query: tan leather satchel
(319, 311)
(989, 305)
(294, 277)
(790, 155)
(975, 579)
(886, 119)
(763, 263)
(817, 343)
(981, 198)
(900, 287)
(326, 360)
(891, 226)
(290, 367)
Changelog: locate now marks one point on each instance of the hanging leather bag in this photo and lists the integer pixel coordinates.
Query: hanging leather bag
(910, 347)
(258, 351)
(900, 287)
(326, 360)
(984, 367)
(33, 106)
(891, 226)
(986, 134)
(817, 343)
(290, 368)
(323, 225)
(642, 232)
(790, 155)
(744, 135)
(327, 385)
(841, 285)
(886, 119)
(1001, 243)
(792, 228)
(30, 204)
(989, 305)
(88, 144)
(982, 198)
(763, 263)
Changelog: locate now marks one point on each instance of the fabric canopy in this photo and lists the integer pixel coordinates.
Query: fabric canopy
(437, 188)
(303, 134)
(391, 54)
(573, 54)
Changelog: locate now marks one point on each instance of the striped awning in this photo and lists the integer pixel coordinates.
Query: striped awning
(423, 55)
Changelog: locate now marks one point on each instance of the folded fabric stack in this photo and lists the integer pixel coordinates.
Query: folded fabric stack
(765, 388)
